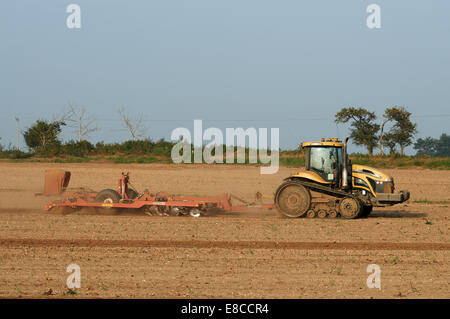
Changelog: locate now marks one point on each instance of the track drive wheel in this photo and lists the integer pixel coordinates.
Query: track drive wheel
(350, 208)
(292, 199)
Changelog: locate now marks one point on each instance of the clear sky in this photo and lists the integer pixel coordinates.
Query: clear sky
(233, 63)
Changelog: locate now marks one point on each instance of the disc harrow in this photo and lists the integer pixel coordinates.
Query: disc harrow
(125, 197)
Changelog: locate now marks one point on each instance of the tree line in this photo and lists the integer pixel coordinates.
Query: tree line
(364, 131)
(434, 147)
(395, 130)
(43, 136)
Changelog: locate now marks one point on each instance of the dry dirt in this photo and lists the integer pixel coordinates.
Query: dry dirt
(249, 254)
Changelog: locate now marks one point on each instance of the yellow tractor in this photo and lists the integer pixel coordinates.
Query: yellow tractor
(332, 186)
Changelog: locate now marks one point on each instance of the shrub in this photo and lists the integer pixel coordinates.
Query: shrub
(78, 149)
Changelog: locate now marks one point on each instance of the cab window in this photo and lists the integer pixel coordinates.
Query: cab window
(321, 161)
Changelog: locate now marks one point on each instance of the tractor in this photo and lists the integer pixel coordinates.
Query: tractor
(333, 187)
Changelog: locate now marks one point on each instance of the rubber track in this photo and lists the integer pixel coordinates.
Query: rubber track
(14, 242)
(320, 188)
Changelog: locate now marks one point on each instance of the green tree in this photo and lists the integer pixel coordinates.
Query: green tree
(426, 146)
(433, 147)
(443, 147)
(363, 128)
(390, 143)
(403, 130)
(42, 137)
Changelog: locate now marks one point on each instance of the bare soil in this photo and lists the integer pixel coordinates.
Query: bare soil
(247, 254)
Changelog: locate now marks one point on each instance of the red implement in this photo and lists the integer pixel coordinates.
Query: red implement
(56, 183)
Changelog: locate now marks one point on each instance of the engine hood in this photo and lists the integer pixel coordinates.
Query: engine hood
(371, 172)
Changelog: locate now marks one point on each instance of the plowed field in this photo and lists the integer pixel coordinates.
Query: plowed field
(246, 254)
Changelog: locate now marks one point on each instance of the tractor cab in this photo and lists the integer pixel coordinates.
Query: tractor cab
(326, 160)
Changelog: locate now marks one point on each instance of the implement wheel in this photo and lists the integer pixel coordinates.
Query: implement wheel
(107, 196)
(292, 199)
(349, 208)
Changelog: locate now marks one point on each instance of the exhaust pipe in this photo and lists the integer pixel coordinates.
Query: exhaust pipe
(344, 166)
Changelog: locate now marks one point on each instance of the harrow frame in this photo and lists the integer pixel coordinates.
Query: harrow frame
(57, 181)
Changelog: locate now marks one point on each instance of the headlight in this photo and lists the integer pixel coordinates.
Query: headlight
(360, 182)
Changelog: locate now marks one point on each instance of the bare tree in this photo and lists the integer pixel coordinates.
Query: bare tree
(381, 135)
(78, 120)
(133, 125)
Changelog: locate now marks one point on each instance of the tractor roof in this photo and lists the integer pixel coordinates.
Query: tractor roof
(329, 142)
